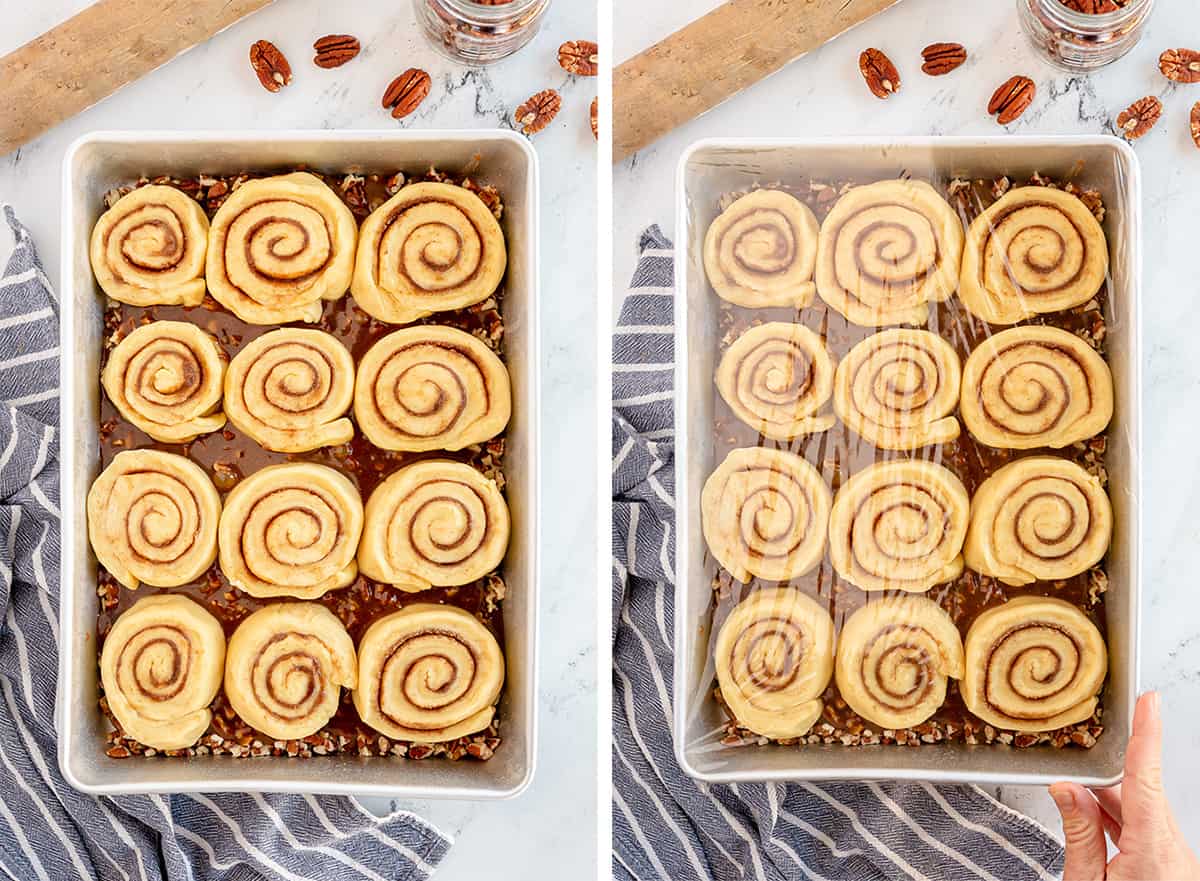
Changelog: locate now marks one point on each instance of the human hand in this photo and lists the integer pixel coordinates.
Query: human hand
(1135, 814)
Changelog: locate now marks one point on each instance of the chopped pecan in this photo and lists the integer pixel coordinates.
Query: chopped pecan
(1180, 65)
(1196, 123)
(537, 112)
(941, 58)
(1139, 117)
(580, 57)
(1092, 7)
(1012, 99)
(881, 75)
(595, 118)
(406, 92)
(272, 68)
(334, 50)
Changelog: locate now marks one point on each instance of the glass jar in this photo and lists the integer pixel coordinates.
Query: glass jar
(1080, 41)
(479, 32)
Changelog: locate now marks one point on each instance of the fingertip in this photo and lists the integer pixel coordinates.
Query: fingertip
(1065, 799)
(1147, 714)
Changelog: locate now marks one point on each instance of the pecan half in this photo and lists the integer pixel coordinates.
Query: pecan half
(1139, 117)
(941, 58)
(881, 75)
(406, 92)
(335, 50)
(1196, 123)
(537, 112)
(595, 118)
(272, 68)
(1012, 99)
(1180, 65)
(580, 57)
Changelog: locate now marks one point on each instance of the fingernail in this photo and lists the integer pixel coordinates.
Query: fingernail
(1064, 798)
(1155, 701)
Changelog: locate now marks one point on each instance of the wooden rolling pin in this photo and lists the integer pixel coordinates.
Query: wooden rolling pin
(717, 56)
(88, 57)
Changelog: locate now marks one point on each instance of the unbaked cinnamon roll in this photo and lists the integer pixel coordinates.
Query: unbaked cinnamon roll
(774, 658)
(1035, 386)
(776, 377)
(286, 666)
(434, 522)
(152, 518)
(165, 378)
(289, 390)
(1038, 519)
(761, 250)
(895, 657)
(899, 526)
(291, 530)
(765, 514)
(278, 246)
(148, 249)
(161, 668)
(896, 389)
(431, 388)
(428, 673)
(1035, 250)
(1033, 664)
(886, 251)
(430, 248)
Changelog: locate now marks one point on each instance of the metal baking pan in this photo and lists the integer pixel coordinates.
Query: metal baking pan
(713, 167)
(99, 161)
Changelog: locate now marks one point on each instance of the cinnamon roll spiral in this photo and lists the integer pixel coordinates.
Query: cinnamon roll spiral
(289, 390)
(161, 668)
(886, 251)
(286, 666)
(775, 377)
(434, 522)
(165, 378)
(278, 246)
(428, 673)
(896, 389)
(148, 249)
(1035, 250)
(1038, 519)
(1033, 664)
(431, 388)
(430, 248)
(1031, 387)
(761, 250)
(765, 514)
(899, 526)
(291, 530)
(895, 657)
(152, 517)
(774, 658)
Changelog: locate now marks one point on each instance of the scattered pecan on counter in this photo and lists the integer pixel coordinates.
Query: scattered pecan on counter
(270, 65)
(580, 57)
(406, 92)
(881, 75)
(941, 58)
(537, 112)
(1139, 117)
(1180, 65)
(595, 118)
(1012, 99)
(1196, 123)
(335, 50)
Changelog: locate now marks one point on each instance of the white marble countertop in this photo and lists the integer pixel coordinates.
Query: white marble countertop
(823, 94)
(213, 87)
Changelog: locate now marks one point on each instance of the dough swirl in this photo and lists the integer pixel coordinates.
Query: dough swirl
(430, 248)
(896, 389)
(1038, 519)
(161, 668)
(291, 530)
(765, 514)
(775, 377)
(434, 522)
(899, 526)
(774, 658)
(285, 668)
(1033, 664)
(429, 674)
(1033, 386)
(165, 377)
(761, 250)
(148, 248)
(152, 518)
(1035, 250)
(289, 390)
(278, 246)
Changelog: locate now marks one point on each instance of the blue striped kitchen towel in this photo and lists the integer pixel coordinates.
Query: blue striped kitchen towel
(50, 832)
(667, 825)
